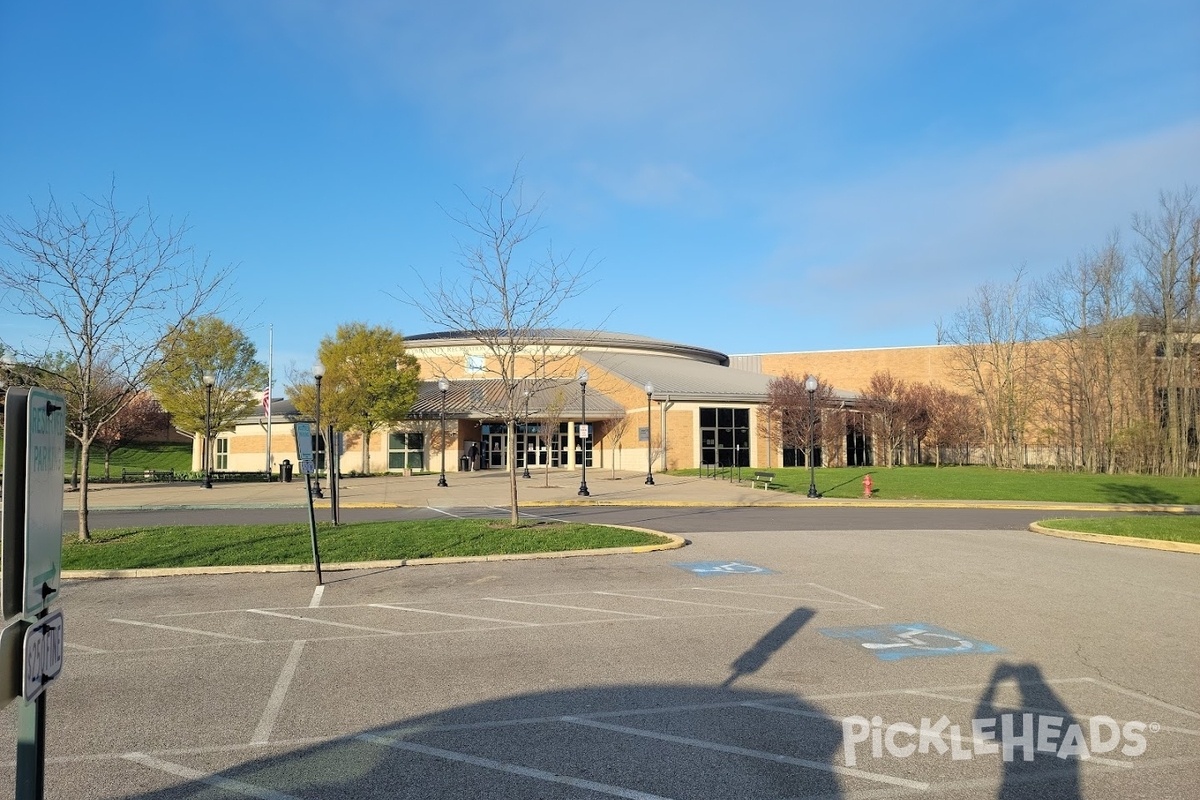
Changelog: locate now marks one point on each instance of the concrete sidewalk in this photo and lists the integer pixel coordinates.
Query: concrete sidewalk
(491, 488)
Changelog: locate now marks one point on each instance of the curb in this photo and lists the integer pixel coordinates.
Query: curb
(673, 543)
(1120, 541)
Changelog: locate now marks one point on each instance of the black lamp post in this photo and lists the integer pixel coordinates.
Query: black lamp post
(209, 380)
(810, 384)
(318, 372)
(583, 379)
(649, 438)
(443, 387)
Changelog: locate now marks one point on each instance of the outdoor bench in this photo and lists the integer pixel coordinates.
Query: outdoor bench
(147, 475)
(767, 479)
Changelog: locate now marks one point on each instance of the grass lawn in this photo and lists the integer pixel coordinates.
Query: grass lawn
(985, 483)
(175, 456)
(232, 545)
(1143, 526)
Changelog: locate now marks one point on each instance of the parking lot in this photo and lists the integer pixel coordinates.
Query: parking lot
(765, 663)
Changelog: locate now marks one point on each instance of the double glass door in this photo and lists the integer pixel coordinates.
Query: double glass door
(535, 447)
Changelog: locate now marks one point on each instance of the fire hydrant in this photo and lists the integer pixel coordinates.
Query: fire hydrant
(868, 487)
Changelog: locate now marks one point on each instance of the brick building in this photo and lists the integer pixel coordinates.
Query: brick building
(704, 407)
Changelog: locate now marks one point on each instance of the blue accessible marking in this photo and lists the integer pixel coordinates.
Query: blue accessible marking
(911, 640)
(724, 568)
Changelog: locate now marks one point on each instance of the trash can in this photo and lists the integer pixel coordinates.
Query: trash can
(464, 463)
(285, 470)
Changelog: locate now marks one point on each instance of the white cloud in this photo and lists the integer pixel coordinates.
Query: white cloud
(922, 236)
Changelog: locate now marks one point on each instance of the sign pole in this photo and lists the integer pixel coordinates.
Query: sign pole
(31, 747)
(312, 527)
(31, 544)
(304, 451)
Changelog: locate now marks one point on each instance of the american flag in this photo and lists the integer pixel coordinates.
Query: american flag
(266, 403)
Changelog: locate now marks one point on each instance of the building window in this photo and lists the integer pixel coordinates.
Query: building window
(725, 436)
(406, 450)
(475, 365)
(222, 454)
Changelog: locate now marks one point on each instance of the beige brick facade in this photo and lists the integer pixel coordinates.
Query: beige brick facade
(847, 370)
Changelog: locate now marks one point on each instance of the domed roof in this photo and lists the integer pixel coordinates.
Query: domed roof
(571, 337)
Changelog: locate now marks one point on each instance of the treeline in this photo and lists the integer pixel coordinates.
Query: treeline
(1094, 367)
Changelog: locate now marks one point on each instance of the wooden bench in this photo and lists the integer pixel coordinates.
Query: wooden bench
(767, 479)
(152, 475)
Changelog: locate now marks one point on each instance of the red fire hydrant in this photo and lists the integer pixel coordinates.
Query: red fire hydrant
(868, 487)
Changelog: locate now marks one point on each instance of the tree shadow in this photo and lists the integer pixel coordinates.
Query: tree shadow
(1018, 726)
(1134, 493)
(630, 740)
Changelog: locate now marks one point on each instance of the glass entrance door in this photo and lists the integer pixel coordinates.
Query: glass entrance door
(495, 450)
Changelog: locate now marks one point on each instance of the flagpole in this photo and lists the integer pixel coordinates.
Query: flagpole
(270, 385)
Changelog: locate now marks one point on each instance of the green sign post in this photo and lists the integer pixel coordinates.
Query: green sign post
(31, 644)
(304, 450)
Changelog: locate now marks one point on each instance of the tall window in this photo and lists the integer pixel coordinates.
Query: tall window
(406, 450)
(725, 436)
(222, 461)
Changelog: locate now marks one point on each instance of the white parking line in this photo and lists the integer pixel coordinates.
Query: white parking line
(316, 598)
(262, 733)
(82, 648)
(450, 614)
(442, 511)
(297, 617)
(570, 608)
(743, 751)
(683, 602)
(229, 785)
(1145, 698)
(186, 630)
(847, 596)
(512, 769)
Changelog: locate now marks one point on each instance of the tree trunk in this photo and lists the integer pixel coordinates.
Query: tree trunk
(83, 455)
(511, 447)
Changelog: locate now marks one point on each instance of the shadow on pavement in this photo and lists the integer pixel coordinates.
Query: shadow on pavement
(1027, 770)
(631, 741)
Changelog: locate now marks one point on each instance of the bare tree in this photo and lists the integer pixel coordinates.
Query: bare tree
(884, 398)
(111, 286)
(994, 357)
(1168, 293)
(550, 414)
(953, 422)
(1088, 305)
(800, 415)
(615, 430)
(507, 302)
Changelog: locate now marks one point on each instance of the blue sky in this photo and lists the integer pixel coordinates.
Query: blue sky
(750, 177)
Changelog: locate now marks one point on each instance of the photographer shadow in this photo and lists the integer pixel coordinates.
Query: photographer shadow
(1018, 728)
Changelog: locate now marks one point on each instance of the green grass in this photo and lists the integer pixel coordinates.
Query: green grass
(985, 483)
(1142, 526)
(175, 456)
(231, 545)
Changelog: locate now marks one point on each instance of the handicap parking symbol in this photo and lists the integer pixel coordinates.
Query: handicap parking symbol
(723, 568)
(910, 640)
